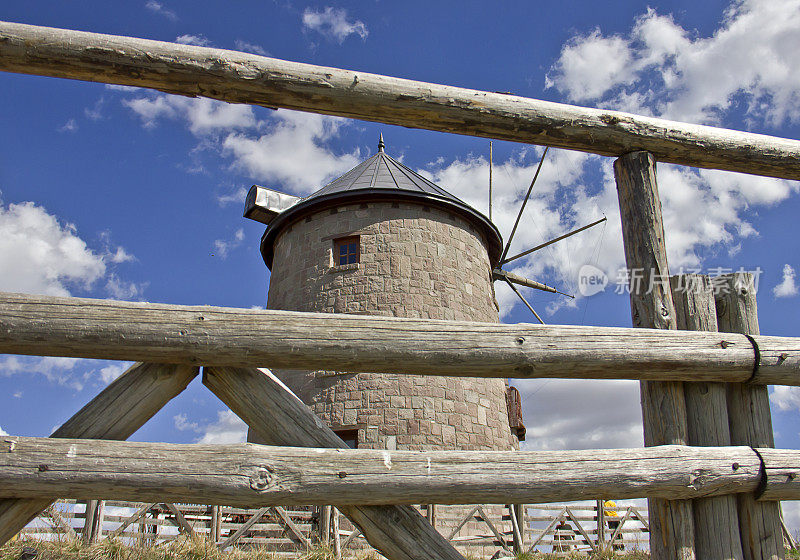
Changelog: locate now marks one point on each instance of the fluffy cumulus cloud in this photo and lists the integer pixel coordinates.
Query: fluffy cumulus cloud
(787, 287)
(3, 432)
(72, 373)
(785, 398)
(287, 148)
(659, 68)
(39, 254)
(292, 151)
(228, 428)
(333, 23)
(202, 115)
(562, 199)
(665, 69)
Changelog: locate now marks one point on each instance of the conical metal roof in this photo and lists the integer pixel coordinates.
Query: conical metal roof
(381, 177)
(382, 171)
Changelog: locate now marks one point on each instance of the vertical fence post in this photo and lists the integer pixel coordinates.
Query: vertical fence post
(325, 525)
(663, 403)
(716, 522)
(601, 524)
(749, 417)
(213, 530)
(516, 532)
(92, 522)
(337, 540)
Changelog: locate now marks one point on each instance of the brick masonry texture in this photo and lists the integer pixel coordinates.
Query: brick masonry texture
(415, 261)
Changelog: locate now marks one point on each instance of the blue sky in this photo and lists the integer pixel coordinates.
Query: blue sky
(133, 194)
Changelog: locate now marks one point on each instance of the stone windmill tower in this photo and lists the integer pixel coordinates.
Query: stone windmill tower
(383, 240)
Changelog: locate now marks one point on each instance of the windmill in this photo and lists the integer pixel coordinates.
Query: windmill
(509, 277)
(267, 205)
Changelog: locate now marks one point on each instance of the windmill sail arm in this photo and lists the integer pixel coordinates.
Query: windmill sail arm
(498, 274)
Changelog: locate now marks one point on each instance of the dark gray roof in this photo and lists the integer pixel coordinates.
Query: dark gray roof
(381, 177)
(382, 171)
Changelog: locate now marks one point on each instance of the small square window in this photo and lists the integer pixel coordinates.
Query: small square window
(346, 250)
(350, 437)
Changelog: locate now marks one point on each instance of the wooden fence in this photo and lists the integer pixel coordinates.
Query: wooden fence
(560, 528)
(554, 528)
(709, 471)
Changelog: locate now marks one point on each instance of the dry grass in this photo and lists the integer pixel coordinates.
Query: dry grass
(184, 548)
(199, 548)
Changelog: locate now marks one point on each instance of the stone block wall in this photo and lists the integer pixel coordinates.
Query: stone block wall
(415, 261)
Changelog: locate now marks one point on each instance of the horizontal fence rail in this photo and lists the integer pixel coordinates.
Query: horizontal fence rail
(238, 77)
(88, 328)
(250, 474)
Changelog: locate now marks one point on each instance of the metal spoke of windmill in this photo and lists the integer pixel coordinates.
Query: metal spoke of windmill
(525, 301)
(524, 202)
(557, 239)
(509, 277)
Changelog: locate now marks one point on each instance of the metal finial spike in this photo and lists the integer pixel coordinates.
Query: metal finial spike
(381, 145)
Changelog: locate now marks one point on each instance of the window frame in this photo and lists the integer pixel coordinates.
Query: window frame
(347, 435)
(354, 254)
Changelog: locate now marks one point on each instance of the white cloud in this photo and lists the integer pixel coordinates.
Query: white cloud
(660, 69)
(787, 287)
(222, 246)
(578, 414)
(18, 395)
(203, 115)
(564, 177)
(112, 371)
(246, 46)
(95, 113)
(289, 148)
(197, 40)
(69, 126)
(333, 23)
(38, 254)
(73, 373)
(791, 515)
(60, 371)
(590, 65)
(158, 8)
(670, 71)
(182, 424)
(3, 432)
(291, 152)
(236, 196)
(118, 288)
(785, 397)
(228, 428)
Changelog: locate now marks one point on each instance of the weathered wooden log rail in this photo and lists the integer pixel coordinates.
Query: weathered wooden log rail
(89, 328)
(238, 77)
(256, 475)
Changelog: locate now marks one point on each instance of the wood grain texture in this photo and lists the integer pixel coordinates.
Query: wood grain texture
(253, 475)
(79, 327)
(750, 418)
(716, 521)
(782, 469)
(238, 77)
(663, 403)
(116, 413)
(280, 418)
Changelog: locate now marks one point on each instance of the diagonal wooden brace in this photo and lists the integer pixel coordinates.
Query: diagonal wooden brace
(280, 418)
(116, 413)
